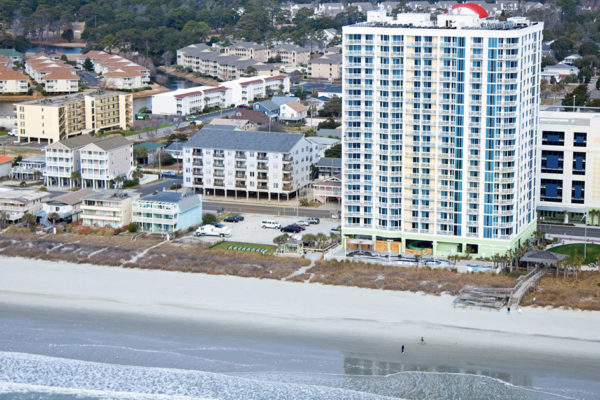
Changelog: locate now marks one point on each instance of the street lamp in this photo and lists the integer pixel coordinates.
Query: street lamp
(585, 217)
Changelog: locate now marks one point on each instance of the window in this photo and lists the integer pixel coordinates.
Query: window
(578, 163)
(578, 192)
(579, 139)
(551, 190)
(552, 162)
(551, 138)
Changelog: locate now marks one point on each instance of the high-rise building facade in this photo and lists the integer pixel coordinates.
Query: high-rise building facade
(440, 121)
(569, 159)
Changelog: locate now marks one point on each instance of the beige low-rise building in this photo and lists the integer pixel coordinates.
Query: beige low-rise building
(329, 67)
(12, 81)
(290, 54)
(108, 208)
(49, 120)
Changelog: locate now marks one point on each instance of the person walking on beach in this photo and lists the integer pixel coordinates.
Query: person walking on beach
(508, 310)
(422, 340)
(402, 349)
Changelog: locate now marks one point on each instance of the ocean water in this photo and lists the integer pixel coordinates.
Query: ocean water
(63, 356)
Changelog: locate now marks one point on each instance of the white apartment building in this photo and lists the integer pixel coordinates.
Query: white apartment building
(569, 158)
(440, 122)
(108, 208)
(63, 159)
(230, 93)
(220, 160)
(55, 75)
(191, 100)
(245, 90)
(49, 120)
(117, 72)
(12, 81)
(104, 160)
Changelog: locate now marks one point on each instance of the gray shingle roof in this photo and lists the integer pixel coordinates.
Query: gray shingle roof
(216, 137)
(77, 141)
(281, 100)
(71, 198)
(269, 105)
(328, 59)
(330, 162)
(195, 49)
(185, 202)
(112, 143)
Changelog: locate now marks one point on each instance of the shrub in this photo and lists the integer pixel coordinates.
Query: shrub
(208, 218)
(132, 227)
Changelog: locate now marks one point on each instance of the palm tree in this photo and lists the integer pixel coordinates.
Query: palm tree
(53, 217)
(539, 237)
(28, 219)
(3, 219)
(577, 263)
(76, 178)
(37, 175)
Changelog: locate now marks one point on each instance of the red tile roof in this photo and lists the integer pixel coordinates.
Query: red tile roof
(5, 159)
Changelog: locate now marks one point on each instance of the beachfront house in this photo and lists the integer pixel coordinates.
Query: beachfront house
(166, 212)
(105, 160)
(29, 169)
(67, 206)
(63, 161)
(108, 208)
(16, 203)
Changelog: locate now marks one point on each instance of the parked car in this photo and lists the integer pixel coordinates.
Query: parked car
(303, 222)
(293, 228)
(337, 230)
(270, 224)
(212, 230)
(217, 224)
(314, 220)
(234, 218)
(360, 253)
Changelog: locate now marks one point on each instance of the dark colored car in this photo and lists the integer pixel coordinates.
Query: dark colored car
(217, 224)
(291, 228)
(234, 218)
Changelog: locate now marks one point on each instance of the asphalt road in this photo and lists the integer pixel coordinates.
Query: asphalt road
(158, 186)
(576, 231)
(268, 210)
(217, 114)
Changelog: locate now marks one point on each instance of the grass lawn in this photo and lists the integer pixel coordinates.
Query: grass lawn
(225, 244)
(593, 251)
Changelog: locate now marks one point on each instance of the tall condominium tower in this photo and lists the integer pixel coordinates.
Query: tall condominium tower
(439, 132)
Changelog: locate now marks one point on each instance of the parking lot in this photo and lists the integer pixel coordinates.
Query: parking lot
(250, 231)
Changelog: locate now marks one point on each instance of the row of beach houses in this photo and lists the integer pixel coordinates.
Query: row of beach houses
(159, 212)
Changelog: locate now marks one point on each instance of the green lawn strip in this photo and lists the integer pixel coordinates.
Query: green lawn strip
(572, 250)
(225, 244)
(3, 133)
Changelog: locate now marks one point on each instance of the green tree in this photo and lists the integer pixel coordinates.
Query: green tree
(250, 70)
(208, 218)
(334, 152)
(132, 227)
(578, 97)
(67, 35)
(562, 47)
(281, 239)
(28, 220)
(195, 31)
(76, 178)
(88, 65)
(588, 48)
(144, 110)
(332, 108)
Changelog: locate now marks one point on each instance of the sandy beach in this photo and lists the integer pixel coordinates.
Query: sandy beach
(361, 314)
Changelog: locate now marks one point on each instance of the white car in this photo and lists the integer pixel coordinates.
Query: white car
(211, 230)
(304, 222)
(269, 224)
